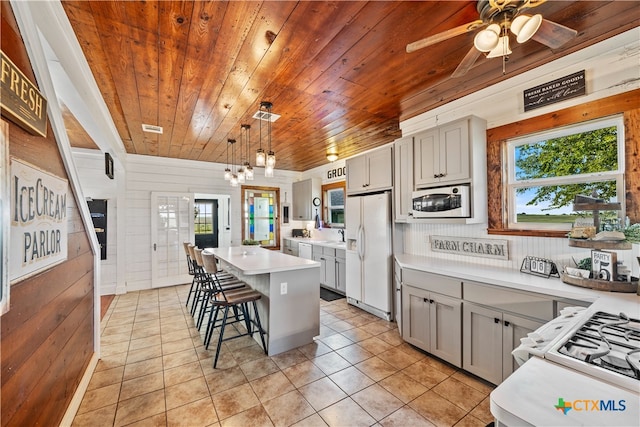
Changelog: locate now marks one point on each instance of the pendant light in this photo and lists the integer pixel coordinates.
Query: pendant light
(240, 164)
(270, 161)
(248, 170)
(261, 156)
(234, 176)
(227, 171)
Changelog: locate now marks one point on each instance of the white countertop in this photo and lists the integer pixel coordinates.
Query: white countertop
(256, 260)
(514, 279)
(328, 243)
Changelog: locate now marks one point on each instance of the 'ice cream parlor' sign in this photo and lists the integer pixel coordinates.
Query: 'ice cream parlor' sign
(38, 220)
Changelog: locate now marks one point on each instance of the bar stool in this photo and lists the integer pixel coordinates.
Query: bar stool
(237, 300)
(198, 278)
(191, 272)
(227, 282)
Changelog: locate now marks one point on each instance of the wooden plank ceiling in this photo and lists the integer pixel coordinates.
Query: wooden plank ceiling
(336, 71)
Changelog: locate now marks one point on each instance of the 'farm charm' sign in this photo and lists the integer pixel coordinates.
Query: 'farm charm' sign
(21, 100)
(567, 87)
(486, 248)
(38, 220)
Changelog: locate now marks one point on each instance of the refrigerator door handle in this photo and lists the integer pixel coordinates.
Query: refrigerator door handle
(362, 242)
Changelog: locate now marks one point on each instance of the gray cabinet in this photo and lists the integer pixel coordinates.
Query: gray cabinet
(442, 154)
(302, 208)
(370, 171)
(402, 179)
(332, 267)
(431, 320)
(290, 247)
(341, 271)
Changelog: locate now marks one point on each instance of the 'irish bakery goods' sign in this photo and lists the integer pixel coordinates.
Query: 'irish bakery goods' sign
(38, 220)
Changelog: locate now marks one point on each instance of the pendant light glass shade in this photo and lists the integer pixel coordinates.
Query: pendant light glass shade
(524, 26)
(502, 49)
(268, 160)
(234, 180)
(248, 173)
(487, 39)
(268, 172)
(227, 174)
(261, 157)
(271, 159)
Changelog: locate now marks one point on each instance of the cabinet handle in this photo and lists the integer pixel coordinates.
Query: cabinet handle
(430, 301)
(496, 320)
(435, 175)
(425, 299)
(506, 323)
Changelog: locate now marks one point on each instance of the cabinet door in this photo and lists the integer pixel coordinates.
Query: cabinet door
(329, 271)
(320, 258)
(301, 205)
(379, 170)
(357, 174)
(341, 275)
(482, 342)
(446, 328)
(415, 316)
(426, 166)
(454, 151)
(514, 328)
(403, 179)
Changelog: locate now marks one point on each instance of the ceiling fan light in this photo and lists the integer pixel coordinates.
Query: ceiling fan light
(529, 28)
(487, 39)
(518, 22)
(502, 48)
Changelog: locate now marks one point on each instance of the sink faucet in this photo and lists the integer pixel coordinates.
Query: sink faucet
(341, 231)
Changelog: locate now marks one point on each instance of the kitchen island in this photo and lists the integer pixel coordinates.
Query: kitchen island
(290, 305)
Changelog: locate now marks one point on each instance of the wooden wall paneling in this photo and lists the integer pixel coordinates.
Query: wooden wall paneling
(47, 335)
(627, 103)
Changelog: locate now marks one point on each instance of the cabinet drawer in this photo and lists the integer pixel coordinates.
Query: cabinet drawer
(341, 253)
(316, 250)
(522, 303)
(432, 282)
(328, 251)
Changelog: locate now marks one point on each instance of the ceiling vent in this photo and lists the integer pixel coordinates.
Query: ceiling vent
(266, 116)
(152, 128)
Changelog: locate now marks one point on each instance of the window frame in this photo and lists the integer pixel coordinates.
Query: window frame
(627, 103)
(325, 202)
(512, 183)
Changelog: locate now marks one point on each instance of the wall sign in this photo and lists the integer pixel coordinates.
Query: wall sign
(485, 248)
(336, 173)
(21, 100)
(38, 220)
(567, 87)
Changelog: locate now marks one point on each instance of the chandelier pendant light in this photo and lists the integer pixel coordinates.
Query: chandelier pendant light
(241, 176)
(270, 160)
(234, 176)
(227, 170)
(248, 170)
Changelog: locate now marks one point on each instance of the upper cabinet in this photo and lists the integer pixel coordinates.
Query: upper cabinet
(307, 195)
(442, 154)
(370, 172)
(403, 178)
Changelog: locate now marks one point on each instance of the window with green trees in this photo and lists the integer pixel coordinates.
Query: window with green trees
(547, 170)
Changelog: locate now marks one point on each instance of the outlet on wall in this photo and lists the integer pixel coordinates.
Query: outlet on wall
(283, 288)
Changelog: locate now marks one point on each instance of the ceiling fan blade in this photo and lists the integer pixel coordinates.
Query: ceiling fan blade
(528, 4)
(466, 63)
(553, 34)
(428, 41)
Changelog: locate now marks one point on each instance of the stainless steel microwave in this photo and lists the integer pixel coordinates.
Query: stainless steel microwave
(442, 202)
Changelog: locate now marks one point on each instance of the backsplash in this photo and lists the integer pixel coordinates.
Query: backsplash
(416, 242)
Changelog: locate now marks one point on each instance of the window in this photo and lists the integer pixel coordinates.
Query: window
(333, 195)
(547, 170)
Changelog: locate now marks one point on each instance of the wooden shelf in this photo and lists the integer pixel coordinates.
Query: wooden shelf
(600, 285)
(600, 244)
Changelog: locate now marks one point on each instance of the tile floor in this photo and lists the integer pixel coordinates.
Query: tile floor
(155, 371)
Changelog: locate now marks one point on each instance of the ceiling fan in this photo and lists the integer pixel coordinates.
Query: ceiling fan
(499, 17)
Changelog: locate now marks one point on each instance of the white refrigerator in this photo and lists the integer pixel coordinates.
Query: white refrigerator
(369, 253)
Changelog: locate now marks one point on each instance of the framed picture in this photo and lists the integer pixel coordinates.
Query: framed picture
(108, 165)
(5, 212)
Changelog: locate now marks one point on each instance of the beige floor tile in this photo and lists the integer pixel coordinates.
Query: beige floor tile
(303, 373)
(98, 417)
(234, 401)
(182, 373)
(145, 367)
(474, 382)
(470, 421)
(141, 385)
(225, 379)
(106, 377)
(483, 411)
(254, 417)
(358, 320)
(403, 387)
(405, 417)
(186, 392)
(180, 358)
(246, 354)
(140, 407)
(289, 358)
(144, 354)
(351, 380)
(356, 334)
(175, 335)
(99, 398)
(437, 410)
(314, 349)
(158, 420)
(375, 345)
(145, 332)
(322, 393)
(177, 346)
(140, 343)
(288, 409)
(346, 413)
(459, 393)
(439, 365)
(271, 386)
(258, 368)
(336, 341)
(392, 337)
(314, 420)
(111, 361)
(397, 358)
(331, 363)
(117, 330)
(414, 351)
(153, 323)
(425, 374)
(240, 343)
(376, 368)
(378, 327)
(198, 413)
(339, 325)
(354, 354)
(111, 349)
(377, 401)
